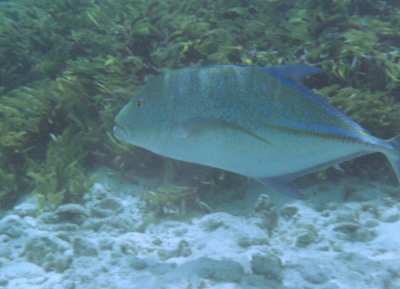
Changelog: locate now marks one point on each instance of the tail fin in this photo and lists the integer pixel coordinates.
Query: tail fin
(394, 155)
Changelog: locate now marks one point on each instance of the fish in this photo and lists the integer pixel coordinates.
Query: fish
(256, 121)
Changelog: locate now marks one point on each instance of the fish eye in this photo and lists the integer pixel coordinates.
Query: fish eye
(139, 103)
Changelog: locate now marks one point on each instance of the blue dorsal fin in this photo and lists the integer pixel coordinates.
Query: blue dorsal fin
(295, 72)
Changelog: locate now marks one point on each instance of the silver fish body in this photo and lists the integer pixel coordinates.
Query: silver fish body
(259, 122)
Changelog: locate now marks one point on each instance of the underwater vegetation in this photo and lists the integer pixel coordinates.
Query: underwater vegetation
(170, 200)
(67, 67)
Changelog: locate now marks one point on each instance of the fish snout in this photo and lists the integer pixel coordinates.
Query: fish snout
(119, 132)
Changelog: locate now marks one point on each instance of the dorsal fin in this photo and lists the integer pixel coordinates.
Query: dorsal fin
(295, 72)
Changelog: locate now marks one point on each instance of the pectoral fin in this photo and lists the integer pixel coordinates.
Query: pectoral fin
(196, 126)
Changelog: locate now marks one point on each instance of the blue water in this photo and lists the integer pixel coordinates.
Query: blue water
(82, 209)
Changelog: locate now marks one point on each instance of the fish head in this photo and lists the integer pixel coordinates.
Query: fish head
(141, 123)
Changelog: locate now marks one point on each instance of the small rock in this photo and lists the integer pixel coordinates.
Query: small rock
(30, 221)
(66, 227)
(331, 285)
(246, 242)
(3, 281)
(354, 232)
(157, 242)
(110, 204)
(27, 208)
(314, 274)
(180, 232)
(309, 236)
(126, 246)
(183, 250)
(12, 226)
(289, 212)
(332, 206)
(263, 203)
(137, 263)
(99, 213)
(304, 240)
(71, 213)
(69, 285)
(260, 282)
(120, 223)
(347, 228)
(269, 266)
(390, 216)
(267, 211)
(106, 244)
(217, 270)
(4, 239)
(5, 251)
(326, 213)
(21, 269)
(372, 223)
(4, 261)
(392, 284)
(372, 209)
(99, 191)
(106, 208)
(59, 262)
(162, 268)
(93, 224)
(212, 224)
(84, 247)
(49, 252)
(48, 218)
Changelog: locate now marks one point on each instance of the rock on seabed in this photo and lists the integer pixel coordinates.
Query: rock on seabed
(107, 243)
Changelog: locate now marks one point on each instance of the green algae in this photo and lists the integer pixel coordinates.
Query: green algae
(169, 200)
(58, 179)
(67, 66)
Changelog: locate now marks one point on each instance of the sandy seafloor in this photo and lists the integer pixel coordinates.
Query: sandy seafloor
(324, 242)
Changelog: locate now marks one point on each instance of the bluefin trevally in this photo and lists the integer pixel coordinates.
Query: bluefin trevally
(260, 122)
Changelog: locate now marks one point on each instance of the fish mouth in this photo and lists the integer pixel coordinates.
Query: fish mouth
(120, 132)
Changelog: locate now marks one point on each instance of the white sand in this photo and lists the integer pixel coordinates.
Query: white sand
(324, 243)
